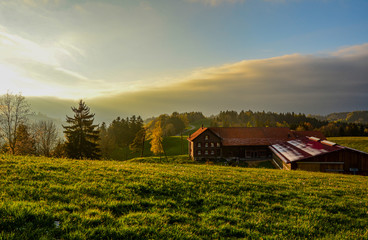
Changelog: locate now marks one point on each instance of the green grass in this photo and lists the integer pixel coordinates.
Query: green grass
(359, 143)
(43, 198)
(173, 146)
(205, 122)
(180, 159)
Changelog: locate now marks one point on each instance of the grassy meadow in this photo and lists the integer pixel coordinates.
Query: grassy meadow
(359, 143)
(204, 122)
(45, 198)
(173, 146)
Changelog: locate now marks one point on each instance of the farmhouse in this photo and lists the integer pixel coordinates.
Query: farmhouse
(240, 143)
(288, 149)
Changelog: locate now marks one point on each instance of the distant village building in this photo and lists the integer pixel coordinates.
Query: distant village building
(288, 149)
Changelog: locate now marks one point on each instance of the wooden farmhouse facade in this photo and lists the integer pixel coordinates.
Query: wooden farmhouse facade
(289, 150)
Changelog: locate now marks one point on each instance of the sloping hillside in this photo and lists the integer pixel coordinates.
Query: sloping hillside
(43, 198)
(358, 143)
(349, 117)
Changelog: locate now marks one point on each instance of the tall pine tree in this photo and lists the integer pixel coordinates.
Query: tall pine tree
(81, 135)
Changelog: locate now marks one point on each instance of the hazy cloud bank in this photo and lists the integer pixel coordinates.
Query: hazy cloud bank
(216, 2)
(299, 83)
(219, 2)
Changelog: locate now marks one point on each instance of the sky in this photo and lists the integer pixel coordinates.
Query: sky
(151, 57)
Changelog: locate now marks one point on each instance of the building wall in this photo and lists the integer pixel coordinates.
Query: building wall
(246, 152)
(281, 164)
(206, 146)
(329, 162)
(355, 160)
(346, 161)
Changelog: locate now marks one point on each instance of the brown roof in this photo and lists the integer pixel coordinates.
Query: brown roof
(196, 133)
(252, 136)
(248, 136)
(255, 136)
(309, 134)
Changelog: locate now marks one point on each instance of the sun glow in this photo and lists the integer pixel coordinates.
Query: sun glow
(9, 78)
(14, 82)
(37, 69)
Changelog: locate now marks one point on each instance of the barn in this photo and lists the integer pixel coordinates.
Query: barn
(315, 154)
(239, 143)
(287, 149)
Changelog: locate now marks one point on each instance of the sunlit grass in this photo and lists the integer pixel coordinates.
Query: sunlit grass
(42, 198)
(359, 143)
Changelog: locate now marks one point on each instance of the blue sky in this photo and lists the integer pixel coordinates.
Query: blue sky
(122, 50)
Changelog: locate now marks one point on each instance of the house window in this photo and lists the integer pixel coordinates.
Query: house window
(206, 144)
(206, 137)
(212, 152)
(212, 145)
(199, 152)
(206, 152)
(218, 144)
(199, 144)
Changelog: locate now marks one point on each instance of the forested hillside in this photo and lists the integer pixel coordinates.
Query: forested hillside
(348, 117)
(294, 121)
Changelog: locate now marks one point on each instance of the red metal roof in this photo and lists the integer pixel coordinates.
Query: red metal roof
(302, 148)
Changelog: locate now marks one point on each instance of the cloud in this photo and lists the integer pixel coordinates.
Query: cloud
(300, 83)
(13, 46)
(39, 69)
(35, 3)
(216, 2)
(352, 51)
(220, 2)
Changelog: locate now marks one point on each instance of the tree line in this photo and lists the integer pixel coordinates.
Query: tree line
(18, 135)
(82, 138)
(126, 137)
(299, 122)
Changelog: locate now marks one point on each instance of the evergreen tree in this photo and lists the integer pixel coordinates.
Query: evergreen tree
(59, 150)
(138, 142)
(26, 143)
(105, 142)
(81, 135)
